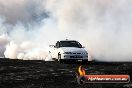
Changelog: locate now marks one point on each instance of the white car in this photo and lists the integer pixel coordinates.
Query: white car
(68, 50)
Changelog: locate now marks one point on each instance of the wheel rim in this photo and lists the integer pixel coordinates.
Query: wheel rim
(59, 57)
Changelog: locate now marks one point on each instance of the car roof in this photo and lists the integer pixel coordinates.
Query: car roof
(67, 40)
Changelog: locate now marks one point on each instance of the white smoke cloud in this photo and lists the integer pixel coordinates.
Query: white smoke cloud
(11, 50)
(22, 11)
(3, 41)
(104, 27)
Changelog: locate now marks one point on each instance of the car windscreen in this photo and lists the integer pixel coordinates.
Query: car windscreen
(70, 44)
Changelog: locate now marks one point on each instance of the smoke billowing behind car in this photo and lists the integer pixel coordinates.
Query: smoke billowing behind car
(68, 50)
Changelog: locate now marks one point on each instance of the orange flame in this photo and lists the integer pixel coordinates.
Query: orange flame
(81, 71)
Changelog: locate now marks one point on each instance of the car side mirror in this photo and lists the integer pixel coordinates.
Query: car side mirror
(57, 47)
(51, 46)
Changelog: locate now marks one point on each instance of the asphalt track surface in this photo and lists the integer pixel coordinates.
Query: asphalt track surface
(41, 74)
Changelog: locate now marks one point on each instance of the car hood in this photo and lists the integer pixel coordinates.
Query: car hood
(73, 49)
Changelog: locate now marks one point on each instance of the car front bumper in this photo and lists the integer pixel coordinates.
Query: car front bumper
(73, 61)
(75, 57)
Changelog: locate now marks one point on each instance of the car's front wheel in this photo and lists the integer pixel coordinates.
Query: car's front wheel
(59, 57)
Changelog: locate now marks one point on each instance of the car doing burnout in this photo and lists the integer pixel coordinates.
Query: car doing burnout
(68, 50)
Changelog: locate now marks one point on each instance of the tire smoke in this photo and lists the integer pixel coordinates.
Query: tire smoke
(104, 27)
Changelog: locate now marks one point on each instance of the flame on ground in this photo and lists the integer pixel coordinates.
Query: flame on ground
(81, 71)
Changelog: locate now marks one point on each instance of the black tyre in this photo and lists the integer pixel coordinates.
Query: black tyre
(59, 57)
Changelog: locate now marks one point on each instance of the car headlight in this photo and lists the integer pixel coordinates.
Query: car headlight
(67, 52)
